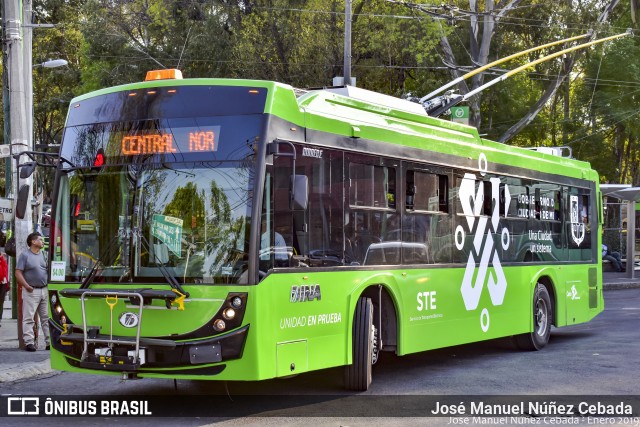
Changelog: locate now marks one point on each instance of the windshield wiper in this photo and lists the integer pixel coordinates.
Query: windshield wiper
(173, 282)
(94, 270)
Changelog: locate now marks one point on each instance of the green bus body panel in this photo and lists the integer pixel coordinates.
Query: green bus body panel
(316, 334)
(288, 337)
(339, 114)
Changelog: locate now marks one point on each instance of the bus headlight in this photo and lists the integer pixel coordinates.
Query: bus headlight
(58, 314)
(230, 315)
(219, 325)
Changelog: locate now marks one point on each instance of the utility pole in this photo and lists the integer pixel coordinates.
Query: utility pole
(18, 116)
(27, 49)
(347, 43)
(6, 140)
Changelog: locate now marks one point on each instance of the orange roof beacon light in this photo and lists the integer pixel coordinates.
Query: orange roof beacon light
(167, 74)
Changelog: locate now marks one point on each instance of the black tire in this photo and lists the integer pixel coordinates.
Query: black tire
(542, 318)
(358, 375)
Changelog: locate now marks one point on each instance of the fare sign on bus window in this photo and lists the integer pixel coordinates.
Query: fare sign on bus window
(177, 141)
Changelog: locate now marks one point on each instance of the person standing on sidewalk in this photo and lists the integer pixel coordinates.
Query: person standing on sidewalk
(31, 274)
(4, 281)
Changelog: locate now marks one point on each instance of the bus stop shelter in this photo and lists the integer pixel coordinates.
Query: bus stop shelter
(630, 195)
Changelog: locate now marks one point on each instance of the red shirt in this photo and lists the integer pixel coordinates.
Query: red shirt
(4, 272)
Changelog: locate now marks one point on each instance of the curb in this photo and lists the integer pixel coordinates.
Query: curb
(617, 286)
(21, 371)
(9, 344)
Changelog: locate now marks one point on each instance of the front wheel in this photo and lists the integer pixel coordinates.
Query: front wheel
(358, 374)
(542, 317)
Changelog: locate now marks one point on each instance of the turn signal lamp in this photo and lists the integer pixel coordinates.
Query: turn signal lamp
(219, 325)
(163, 74)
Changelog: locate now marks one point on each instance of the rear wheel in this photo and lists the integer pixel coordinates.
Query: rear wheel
(358, 374)
(542, 317)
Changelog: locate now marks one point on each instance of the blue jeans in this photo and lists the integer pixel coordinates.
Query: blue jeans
(614, 259)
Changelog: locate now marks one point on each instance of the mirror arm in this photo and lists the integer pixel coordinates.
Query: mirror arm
(48, 159)
(25, 170)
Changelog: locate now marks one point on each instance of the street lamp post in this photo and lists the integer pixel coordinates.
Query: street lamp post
(52, 63)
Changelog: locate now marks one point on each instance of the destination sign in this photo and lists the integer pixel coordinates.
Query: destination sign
(178, 141)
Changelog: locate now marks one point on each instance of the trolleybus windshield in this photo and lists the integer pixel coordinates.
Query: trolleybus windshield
(169, 193)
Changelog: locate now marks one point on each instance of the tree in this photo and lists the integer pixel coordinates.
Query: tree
(393, 48)
(483, 25)
(608, 96)
(396, 50)
(295, 44)
(124, 40)
(567, 66)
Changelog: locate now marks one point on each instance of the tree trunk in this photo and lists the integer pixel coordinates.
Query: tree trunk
(447, 52)
(479, 48)
(533, 112)
(618, 151)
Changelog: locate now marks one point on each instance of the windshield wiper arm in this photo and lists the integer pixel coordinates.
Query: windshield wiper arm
(94, 270)
(173, 282)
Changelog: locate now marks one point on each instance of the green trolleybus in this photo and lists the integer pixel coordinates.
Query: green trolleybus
(245, 230)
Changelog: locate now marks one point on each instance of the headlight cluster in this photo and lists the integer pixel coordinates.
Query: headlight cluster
(57, 312)
(231, 313)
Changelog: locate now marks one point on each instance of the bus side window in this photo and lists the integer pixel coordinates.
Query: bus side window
(411, 190)
(427, 192)
(584, 209)
(443, 193)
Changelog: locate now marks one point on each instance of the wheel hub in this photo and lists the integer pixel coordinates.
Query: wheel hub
(541, 317)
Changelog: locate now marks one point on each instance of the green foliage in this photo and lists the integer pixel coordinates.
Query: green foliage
(609, 96)
(187, 205)
(298, 42)
(395, 50)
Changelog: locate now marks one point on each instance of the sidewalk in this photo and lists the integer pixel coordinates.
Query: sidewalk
(614, 280)
(16, 364)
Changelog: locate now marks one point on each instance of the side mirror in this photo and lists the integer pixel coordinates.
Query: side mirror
(26, 169)
(300, 191)
(23, 199)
